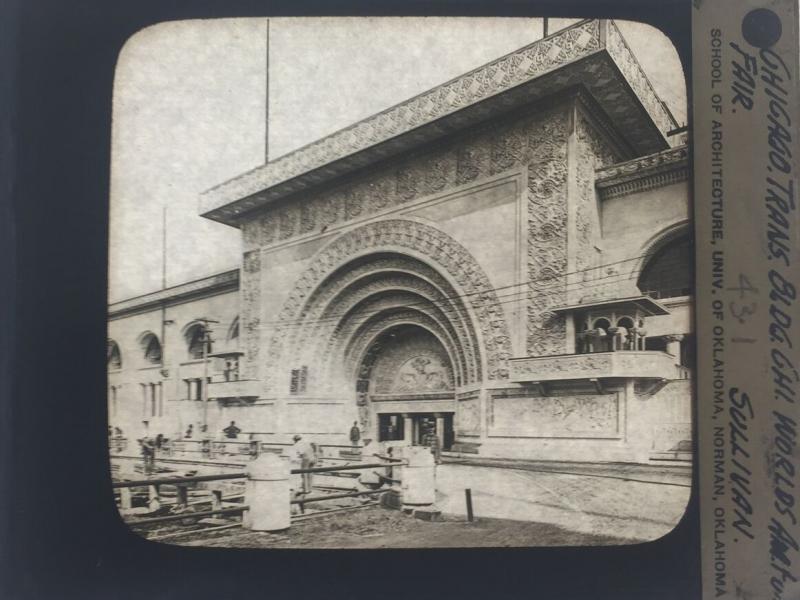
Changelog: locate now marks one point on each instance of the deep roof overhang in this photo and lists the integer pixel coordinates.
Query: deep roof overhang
(591, 54)
(644, 303)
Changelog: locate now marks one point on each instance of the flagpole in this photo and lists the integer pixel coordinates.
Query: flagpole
(164, 362)
(164, 247)
(266, 100)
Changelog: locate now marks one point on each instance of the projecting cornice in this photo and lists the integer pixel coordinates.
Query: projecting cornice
(208, 286)
(642, 174)
(592, 54)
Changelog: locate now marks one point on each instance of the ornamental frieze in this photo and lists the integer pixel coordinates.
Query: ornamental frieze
(472, 161)
(440, 172)
(268, 228)
(660, 161)
(307, 218)
(250, 293)
(423, 373)
(585, 415)
(593, 153)
(468, 416)
(417, 363)
(523, 142)
(633, 364)
(643, 174)
(547, 237)
(288, 217)
(406, 182)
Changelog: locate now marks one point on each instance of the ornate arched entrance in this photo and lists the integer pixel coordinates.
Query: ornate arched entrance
(389, 290)
(405, 383)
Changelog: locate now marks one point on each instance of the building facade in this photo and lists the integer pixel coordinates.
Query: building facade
(506, 258)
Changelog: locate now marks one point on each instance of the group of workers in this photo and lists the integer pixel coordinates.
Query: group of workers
(231, 432)
(151, 445)
(302, 454)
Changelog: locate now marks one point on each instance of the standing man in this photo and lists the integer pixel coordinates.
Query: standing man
(232, 431)
(148, 447)
(431, 440)
(310, 452)
(295, 479)
(355, 435)
(148, 453)
(301, 456)
(205, 441)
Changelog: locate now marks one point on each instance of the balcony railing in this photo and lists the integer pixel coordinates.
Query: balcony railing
(623, 364)
(238, 388)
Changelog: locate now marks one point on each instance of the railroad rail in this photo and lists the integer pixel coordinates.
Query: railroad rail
(182, 485)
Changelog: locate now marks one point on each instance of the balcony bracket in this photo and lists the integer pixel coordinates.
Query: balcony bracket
(649, 387)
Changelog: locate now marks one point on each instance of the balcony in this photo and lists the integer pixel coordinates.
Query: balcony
(642, 364)
(237, 388)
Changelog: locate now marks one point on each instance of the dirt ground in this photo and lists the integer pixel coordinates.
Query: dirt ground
(636, 503)
(376, 527)
(517, 503)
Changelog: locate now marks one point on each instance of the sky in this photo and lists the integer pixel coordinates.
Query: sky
(190, 105)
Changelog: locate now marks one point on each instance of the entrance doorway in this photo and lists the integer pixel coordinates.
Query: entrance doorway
(415, 426)
(391, 428)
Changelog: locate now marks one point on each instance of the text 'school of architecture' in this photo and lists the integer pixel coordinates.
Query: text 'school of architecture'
(508, 256)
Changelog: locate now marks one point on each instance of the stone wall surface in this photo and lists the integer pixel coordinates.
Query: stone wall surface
(577, 416)
(177, 365)
(589, 152)
(618, 426)
(634, 222)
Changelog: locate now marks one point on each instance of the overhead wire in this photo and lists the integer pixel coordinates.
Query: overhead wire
(545, 289)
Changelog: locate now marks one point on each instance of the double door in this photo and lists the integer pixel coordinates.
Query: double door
(416, 427)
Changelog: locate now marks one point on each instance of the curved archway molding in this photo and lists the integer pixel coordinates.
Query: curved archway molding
(656, 242)
(423, 268)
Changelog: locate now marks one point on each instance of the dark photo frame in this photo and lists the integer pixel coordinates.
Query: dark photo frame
(60, 534)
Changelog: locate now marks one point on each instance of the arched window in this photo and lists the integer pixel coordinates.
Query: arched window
(152, 348)
(625, 322)
(195, 338)
(113, 356)
(233, 332)
(603, 324)
(669, 271)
